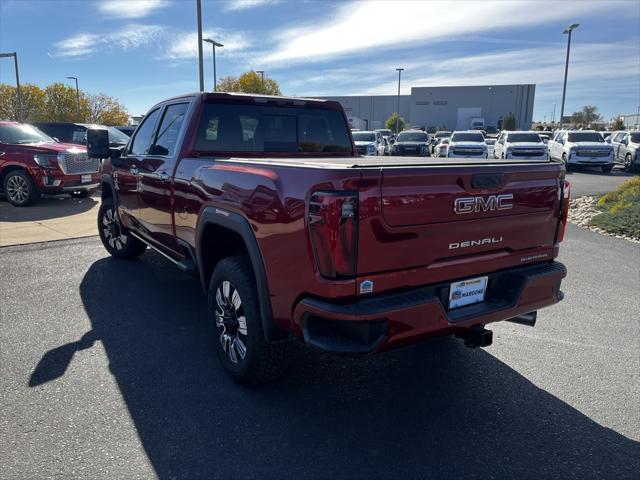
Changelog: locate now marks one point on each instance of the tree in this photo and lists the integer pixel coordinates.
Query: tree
(395, 123)
(509, 122)
(32, 102)
(58, 103)
(588, 115)
(61, 104)
(617, 124)
(249, 82)
(105, 110)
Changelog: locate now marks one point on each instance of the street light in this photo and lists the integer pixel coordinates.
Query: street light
(77, 95)
(214, 44)
(261, 72)
(567, 31)
(15, 61)
(400, 70)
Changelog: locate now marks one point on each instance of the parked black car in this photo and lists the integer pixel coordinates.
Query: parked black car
(66, 132)
(414, 143)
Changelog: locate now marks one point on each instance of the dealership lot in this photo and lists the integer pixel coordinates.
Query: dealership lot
(104, 376)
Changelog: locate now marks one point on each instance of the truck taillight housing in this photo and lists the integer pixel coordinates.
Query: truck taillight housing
(564, 210)
(333, 228)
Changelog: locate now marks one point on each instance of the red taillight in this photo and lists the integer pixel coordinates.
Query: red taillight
(333, 227)
(564, 210)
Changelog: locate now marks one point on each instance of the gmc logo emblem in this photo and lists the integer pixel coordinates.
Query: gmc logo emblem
(483, 204)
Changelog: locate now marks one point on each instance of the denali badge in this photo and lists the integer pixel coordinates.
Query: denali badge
(474, 243)
(483, 204)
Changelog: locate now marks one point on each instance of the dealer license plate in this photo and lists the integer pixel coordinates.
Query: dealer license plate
(467, 292)
(85, 179)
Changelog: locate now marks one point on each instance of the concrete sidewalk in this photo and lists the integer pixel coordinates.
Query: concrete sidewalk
(52, 218)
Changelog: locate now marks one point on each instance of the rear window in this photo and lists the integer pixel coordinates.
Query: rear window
(585, 137)
(467, 137)
(524, 137)
(635, 137)
(363, 137)
(412, 137)
(263, 128)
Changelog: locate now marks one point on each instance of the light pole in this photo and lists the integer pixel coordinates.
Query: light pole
(398, 117)
(261, 72)
(553, 116)
(15, 61)
(568, 31)
(77, 95)
(214, 44)
(200, 64)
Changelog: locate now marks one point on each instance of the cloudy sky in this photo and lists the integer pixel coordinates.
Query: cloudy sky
(142, 51)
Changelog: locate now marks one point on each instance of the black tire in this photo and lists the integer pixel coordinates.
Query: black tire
(566, 164)
(262, 361)
(116, 239)
(628, 163)
(79, 194)
(607, 168)
(20, 189)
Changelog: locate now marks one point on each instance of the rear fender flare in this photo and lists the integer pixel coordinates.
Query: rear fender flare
(238, 224)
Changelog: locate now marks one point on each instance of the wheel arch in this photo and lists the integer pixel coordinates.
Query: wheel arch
(220, 234)
(11, 168)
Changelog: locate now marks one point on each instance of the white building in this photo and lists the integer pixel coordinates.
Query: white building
(449, 108)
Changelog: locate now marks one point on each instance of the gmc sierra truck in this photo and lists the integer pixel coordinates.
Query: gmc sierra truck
(295, 236)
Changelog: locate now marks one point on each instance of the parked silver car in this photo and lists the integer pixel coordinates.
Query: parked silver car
(625, 149)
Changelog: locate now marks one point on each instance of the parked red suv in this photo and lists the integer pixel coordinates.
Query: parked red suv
(32, 163)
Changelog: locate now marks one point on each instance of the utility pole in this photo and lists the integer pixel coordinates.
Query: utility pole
(553, 116)
(261, 72)
(398, 117)
(568, 31)
(200, 64)
(77, 97)
(19, 94)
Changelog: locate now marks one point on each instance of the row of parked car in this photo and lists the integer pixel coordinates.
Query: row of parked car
(572, 147)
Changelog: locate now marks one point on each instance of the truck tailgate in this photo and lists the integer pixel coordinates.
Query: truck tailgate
(409, 218)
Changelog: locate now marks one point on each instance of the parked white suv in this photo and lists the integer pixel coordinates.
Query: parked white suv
(520, 146)
(368, 143)
(467, 144)
(581, 147)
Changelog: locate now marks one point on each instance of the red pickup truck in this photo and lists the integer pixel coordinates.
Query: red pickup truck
(32, 163)
(294, 236)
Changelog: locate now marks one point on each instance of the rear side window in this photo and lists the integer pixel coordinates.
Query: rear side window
(144, 135)
(263, 128)
(167, 136)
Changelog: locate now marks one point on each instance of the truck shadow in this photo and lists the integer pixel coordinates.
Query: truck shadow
(433, 410)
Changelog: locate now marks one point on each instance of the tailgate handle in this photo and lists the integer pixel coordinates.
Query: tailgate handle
(486, 180)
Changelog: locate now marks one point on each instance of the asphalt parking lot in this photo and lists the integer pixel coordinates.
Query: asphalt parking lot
(108, 371)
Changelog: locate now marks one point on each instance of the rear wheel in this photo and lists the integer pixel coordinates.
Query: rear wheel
(20, 188)
(628, 164)
(234, 311)
(115, 238)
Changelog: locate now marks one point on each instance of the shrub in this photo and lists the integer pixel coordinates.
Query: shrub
(621, 210)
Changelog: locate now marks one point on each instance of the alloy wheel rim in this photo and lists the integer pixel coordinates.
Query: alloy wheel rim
(17, 189)
(627, 161)
(231, 322)
(112, 231)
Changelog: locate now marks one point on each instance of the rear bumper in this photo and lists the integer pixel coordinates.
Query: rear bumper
(377, 323)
